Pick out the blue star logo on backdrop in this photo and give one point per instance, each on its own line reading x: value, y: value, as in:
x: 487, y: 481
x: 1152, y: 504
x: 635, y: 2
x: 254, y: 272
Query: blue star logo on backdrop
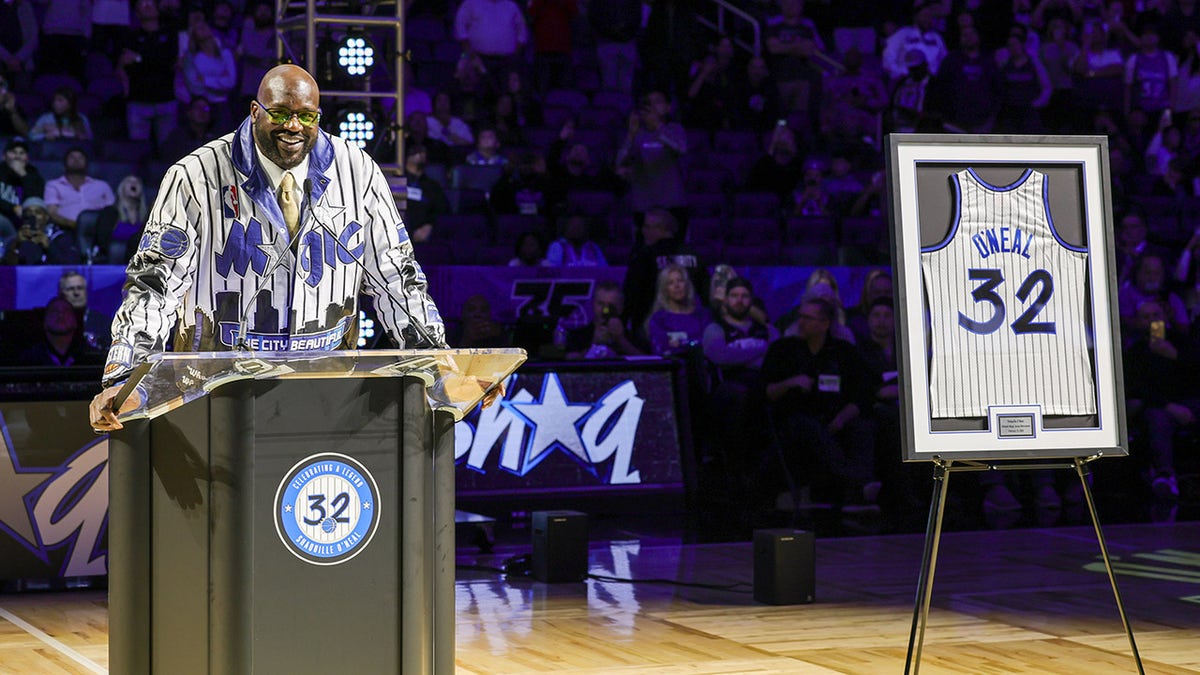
x: 554, y: 421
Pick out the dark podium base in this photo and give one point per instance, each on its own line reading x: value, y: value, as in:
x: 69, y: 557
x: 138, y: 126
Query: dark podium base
x: 201, y: 579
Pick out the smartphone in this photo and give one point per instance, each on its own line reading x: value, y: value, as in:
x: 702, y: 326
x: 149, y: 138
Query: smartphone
x: 1158, y: 330
x: 781, y: 123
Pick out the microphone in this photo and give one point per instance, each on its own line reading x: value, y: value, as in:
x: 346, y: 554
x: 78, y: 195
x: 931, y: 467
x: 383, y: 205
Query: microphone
x: 244, y: 315
x: 416, y: 327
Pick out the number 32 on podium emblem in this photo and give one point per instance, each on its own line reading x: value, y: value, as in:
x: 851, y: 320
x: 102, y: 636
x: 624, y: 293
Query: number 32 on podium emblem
x: 327, y: 509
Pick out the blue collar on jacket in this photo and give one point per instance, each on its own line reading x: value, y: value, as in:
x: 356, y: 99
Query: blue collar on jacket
x: 257, y: 186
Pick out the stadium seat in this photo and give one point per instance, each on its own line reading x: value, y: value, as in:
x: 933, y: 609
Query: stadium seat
x: 615, y: 100
x: 810, y: 231
x: 510, y: 226
x: 756, y: 204
x: 471, y: 177
x: 566, y: 98
x: 753, y: 230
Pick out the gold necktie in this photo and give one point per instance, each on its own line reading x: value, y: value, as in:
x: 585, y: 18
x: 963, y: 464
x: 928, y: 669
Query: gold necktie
x: 287, y: 204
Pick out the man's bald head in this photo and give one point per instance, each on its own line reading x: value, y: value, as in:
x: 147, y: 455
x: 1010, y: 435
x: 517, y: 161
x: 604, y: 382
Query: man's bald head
x: 290, y: 89
x: 285, y: 80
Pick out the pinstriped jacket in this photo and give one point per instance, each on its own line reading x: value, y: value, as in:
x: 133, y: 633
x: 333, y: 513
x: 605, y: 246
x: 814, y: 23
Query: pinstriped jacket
x: 215, y: 245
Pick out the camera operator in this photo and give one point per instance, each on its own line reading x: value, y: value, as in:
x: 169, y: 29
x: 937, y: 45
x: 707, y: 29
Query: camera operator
x: 38, y: 241
x: 605, y: 337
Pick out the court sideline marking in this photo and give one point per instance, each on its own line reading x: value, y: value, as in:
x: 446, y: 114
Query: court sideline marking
x: 55, y: 644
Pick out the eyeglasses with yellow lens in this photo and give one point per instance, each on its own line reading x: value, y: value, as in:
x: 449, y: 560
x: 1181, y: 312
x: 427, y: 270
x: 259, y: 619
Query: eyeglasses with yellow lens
x: 282, y: 116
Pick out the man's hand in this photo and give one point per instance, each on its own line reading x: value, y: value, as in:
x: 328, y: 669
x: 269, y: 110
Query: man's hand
x: 492, y: 395
x: 103, y: 417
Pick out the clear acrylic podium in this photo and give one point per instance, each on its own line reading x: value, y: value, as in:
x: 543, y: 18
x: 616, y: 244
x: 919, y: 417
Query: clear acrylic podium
x: 289, y: 512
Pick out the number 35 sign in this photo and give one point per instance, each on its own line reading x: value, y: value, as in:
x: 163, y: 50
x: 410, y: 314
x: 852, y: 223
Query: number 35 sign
x: 1007, y: 326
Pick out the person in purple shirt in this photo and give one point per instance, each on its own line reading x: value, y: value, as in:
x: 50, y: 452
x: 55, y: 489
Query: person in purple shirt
x: 677, y: 321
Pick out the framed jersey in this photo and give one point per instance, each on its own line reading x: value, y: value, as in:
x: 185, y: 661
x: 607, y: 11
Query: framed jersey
x: 1007, y: 322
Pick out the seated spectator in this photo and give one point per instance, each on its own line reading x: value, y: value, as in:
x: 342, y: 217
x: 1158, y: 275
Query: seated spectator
x: 922, y: 36
x: 522, y: 189
x: 478, y: 329
x: 677, y: 321
x: 710, y: 96
x: 779, y: 170
x: 569, y: 166
x: 530, y: 251
x: 756, y: 98
x: 1165, y: 145
x: 605, y: 337
x: 508, y: 121
x: 425, y: 199
x: 131, y: 218
x: 877, y: 285
x: 870, y: 201
x: 18, y: 179
x: 909, y: 108
x: 255, y: 51
x: 445, y: 126
x: 810, y: 197
x: 416, y: 132
x: 62, y: 121
x: 487, y: 149
x: 1150, y: 283
x: 966, y: 90
x: 94, y: 327
x: 1160, y: 391
x: 822, y: 393
x: 821, y: 285
x: 209, y: 71
x: 222, y: 24
x: 721, y: 276
x: 841, y: 183
x: 1132, y: 245
x: 663, y: 247
x: 575, y: 247
x: 198, y: 128
x: 735, y: 344
x: 39, y: 241
x: 83, y: 205
x: 1176, y: 181
x: 61, y: 343
x: 12, y: 122
x: 416, y: 99
x: 853, y: 101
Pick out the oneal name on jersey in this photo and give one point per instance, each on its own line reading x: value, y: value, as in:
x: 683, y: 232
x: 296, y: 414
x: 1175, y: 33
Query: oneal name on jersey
x: 1003, y: 240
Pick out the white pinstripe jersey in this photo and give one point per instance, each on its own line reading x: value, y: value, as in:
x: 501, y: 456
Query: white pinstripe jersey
x: 215, y: 232
x: 1007, y: 305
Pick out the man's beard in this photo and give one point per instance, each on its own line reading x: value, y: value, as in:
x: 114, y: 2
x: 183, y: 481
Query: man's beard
x: 739, y: 315
x: 268, y: 143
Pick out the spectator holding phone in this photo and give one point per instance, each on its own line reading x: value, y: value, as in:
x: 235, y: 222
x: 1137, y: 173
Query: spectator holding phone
x: 605, y: 337
x: 38, y: 241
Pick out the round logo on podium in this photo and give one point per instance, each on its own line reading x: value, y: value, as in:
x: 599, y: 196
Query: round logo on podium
x: 327, y: 508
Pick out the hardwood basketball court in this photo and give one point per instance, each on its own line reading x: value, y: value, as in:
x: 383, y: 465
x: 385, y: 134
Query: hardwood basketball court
x: 1022, y: 601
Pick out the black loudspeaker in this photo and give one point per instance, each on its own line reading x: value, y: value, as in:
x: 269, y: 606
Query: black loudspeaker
x: 784, y: 567
x: 559, y: 546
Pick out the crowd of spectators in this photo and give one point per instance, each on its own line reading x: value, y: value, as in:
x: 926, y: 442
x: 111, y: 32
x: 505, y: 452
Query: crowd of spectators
x: 620, y: 132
